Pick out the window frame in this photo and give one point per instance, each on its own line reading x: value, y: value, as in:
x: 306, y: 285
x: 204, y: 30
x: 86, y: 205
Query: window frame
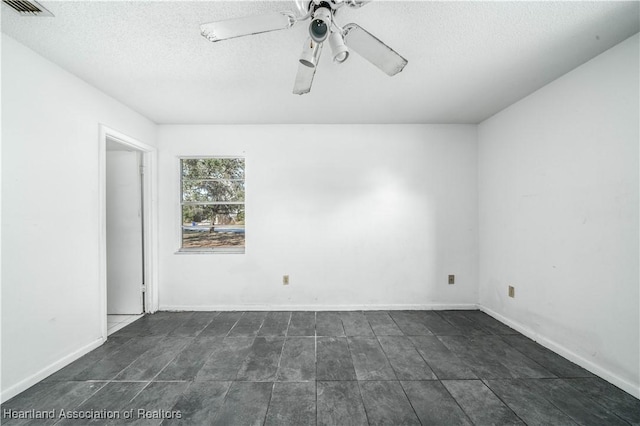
x: 181, y: 203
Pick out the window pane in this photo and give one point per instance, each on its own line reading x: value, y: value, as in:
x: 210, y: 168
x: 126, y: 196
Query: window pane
x: 213, y: 226
x: 211, y: 190
x: 212, y: 168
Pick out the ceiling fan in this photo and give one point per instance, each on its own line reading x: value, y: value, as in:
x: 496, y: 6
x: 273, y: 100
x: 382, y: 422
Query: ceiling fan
x: 323, y: 27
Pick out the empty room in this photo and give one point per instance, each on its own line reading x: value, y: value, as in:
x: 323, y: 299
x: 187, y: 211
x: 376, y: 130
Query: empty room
x: 320, y: 212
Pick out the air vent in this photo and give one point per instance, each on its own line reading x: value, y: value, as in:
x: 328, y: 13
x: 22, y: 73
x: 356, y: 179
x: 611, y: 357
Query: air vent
x: 27, y: 7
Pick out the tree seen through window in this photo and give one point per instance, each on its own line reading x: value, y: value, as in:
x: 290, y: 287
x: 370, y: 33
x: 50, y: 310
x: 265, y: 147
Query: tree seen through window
x: 212, y: 198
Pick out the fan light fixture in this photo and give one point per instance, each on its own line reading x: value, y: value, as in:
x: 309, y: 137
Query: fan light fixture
x: 320, y: 24
x: 338, y: 48
x: 310, y: 53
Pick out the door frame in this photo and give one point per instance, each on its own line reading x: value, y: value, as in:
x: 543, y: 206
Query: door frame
x: 149, y: 213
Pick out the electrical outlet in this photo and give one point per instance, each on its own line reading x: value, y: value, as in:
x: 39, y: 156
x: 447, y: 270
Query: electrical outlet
x: 512, y: 291
x: 452, y: 279
x: 285, y: 280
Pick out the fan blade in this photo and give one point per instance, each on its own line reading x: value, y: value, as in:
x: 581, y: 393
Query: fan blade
x: 304, y: 77
x: 238, y: 27
x: 373, y: 50
x: 303, y: 6
x: 357, y: 3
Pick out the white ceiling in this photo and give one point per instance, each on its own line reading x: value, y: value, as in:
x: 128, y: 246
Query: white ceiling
x: 467, y: 60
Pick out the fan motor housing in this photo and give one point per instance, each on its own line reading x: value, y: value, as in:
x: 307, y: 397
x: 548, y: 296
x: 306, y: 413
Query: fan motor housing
x: 315, y: 5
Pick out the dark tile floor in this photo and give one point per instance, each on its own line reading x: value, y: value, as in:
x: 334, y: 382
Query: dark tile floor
x: 326, y: 368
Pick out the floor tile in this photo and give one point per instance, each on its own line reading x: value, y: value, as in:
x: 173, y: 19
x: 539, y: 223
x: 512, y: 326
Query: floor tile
x: 221, y: 324
x: 118, y: 322
x: 369, y: 359
x: 112, y: 397
x: 551, y: 361
x: 515, y: 361
x: 226, y: 359
x: 275, y: 324
x: 480, y: 404
x: 187, y: 364
x: 528, y: 402
x: 329, y: 324
x: 356, y: 324
x: 340, y: 403
x: 382, y: 324
x: 483, y: 363
x: 433, y: 404
x: 72, y: 371
x: 333, y: 359
x: 154, y: 360
x: 248, y: 325
x: 465, y: 325
x: 405, y: 359
x: 410, y: 323
x: 437, y: 325
x: 138, y: 328
x: 487, y: 322
x: 292, y: 404
x: 200, y: 403
x: 434, y: 367
x: 156, y: 397
x: 261, y: 363
x: 610, y: 397
x: 302, y: 324
x: 387, y: 404
x: 113, y: 363
x: 444, y: 363
x: 47, y: 397
x: 577, y: 405
x: 28, y: 400
x: 246, y: 404
x: 194, y: 325
x: 298, y: 361
x: 158, y: 324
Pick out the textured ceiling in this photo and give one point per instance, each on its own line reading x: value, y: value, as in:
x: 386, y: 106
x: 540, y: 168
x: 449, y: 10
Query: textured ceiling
x: 467, y: 60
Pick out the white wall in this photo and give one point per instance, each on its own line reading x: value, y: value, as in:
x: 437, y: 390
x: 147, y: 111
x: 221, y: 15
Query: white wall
x: 50, y: 212
x: 359, y: 216
x: 558, y: 215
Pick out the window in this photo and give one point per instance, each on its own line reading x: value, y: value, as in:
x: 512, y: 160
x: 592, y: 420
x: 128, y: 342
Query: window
x: 212, y: 202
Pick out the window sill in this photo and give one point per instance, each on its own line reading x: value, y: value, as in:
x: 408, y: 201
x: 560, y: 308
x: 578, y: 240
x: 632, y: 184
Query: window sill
x: 230, y: 250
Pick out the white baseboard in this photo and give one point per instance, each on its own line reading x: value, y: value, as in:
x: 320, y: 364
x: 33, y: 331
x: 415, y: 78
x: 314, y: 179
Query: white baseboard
x: 25, y: 384
x: 566, y: 353
x: 365, y: 307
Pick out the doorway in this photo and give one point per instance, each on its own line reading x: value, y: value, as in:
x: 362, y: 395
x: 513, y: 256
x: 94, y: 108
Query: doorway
x: 125, y: 250
x: 128, y: 213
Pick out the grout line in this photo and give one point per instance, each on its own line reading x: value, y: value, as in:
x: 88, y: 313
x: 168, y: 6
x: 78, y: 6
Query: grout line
x: 264, y: 319
x: 455, y: 400
x: 284, y: 342
x: 234, y: 324
x: 409, y: 400
x: 197, y: 334
x: 484, y: 382
x: 286, y: 332
x: 226, y: 393
x: 364, y: 406
x: 140, y: 391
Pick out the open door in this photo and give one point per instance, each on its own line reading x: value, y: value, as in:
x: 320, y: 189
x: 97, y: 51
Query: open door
x: 124, y: 223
